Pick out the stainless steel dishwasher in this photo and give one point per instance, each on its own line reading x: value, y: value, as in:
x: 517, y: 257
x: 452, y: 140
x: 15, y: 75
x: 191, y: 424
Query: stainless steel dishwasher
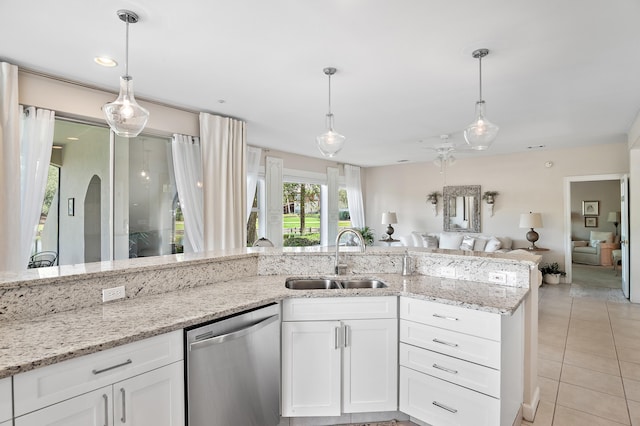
x: 233, y: 370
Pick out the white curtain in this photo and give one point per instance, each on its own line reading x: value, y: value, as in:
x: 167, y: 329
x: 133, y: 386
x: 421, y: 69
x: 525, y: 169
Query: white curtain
x: 187, y: 168
x: 354, y: 195
x: 224, y: 145
x: 253, y: 166
x: 9, y: 169
x: 36, y: 139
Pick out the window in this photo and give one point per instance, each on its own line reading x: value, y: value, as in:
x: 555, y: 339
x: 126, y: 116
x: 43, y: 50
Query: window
x: 344, y: 219
x: 301, y: 214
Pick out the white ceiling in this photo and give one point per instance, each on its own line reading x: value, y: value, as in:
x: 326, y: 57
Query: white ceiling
x: 561, y: 73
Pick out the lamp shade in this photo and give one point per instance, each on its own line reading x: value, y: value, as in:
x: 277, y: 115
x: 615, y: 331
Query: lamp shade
x: 389, y: 218
x: 530, y: 220
x: 614, y: 217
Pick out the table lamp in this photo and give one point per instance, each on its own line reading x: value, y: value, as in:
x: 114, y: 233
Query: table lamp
x: 614, y: 217
x: 388, y: 219
x: 531, y: 220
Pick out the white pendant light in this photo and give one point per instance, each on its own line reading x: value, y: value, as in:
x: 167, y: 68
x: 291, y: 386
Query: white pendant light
x: 481, y: 133
x: 125, y: 117
x: 330, y: 142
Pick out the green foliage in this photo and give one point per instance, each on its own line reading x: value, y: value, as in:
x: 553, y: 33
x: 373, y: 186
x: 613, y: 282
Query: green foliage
x: 367, y: 234
x: 50, y: 191
x: 344, y: 215
x: 297, y: 241
x: 551, y: 268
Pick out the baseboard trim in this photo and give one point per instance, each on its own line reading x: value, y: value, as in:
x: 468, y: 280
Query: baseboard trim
x: 529, y: 409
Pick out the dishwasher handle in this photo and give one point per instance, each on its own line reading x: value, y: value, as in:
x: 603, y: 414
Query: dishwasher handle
x: 234, y: 335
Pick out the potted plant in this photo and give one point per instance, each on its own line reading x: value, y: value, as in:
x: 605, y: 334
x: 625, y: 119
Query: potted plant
x: 551, y: 273
x: 367, y: 235
x: 489, y: 196
x: 432, y: 197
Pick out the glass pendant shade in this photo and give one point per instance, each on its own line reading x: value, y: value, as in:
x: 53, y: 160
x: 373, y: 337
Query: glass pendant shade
x: 481, y: 133
x: 125, y: 117
x: 330, y: 142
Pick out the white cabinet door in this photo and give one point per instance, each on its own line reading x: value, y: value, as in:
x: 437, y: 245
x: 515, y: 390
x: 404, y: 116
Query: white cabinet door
x: 155, y: 398
x: 311, y: 368
x: 6, y: 404
x: 90, y: 409
x: 370, y: 366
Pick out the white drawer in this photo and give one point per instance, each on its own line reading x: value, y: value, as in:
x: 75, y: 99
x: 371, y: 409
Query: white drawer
x: 459, y: 345
x: 441, y: 403
x: 339, y: 308
x: 463, y: 373
x: 6, y: 412
x: 462, y: 320
x: 47, y: 385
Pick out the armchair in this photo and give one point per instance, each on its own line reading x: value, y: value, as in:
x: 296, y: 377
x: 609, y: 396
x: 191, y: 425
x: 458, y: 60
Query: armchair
x: 588, y: 252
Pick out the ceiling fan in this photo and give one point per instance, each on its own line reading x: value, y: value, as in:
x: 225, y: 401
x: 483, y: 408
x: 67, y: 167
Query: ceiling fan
x: 444, y: 152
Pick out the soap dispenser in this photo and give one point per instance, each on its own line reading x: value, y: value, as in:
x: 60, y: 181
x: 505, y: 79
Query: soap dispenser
x: 407, y: 264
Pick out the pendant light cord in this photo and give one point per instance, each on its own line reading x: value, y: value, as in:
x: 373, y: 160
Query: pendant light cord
x: 480, y: 74
x: 329, y: 94
x: 126, y: 54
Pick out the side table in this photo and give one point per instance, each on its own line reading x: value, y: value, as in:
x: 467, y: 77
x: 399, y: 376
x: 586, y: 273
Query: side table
x: 605, y: 253
x: 389, y: 241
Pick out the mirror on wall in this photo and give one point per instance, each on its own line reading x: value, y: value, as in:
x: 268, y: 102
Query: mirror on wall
x: 461, y: 205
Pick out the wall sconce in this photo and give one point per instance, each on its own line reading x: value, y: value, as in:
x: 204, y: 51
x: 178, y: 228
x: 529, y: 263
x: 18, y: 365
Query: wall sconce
x: 432, y: 198
x: 490, y: 198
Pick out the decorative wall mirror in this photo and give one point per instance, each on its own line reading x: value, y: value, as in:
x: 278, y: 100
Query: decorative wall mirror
x: 461, y: 206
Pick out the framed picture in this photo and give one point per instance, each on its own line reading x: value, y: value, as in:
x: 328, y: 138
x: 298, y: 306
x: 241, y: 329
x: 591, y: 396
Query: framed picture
x: 71, y: 206
x: 590, y: 222
x: 590, y: 208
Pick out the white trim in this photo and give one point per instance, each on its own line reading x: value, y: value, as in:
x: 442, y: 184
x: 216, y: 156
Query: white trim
x: 304, y: 176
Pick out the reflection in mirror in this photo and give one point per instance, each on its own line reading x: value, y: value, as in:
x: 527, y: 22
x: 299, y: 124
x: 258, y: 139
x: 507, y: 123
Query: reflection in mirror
x: 461, y: 208
x: 82, y: 199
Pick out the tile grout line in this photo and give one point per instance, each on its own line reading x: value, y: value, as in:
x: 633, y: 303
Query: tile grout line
x: 615, y: 348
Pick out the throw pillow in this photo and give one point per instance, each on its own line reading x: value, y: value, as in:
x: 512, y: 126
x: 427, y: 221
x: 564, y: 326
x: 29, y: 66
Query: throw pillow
x: 429, y: 241
x: 480, y: 244
x: 450, y: 241
x: 594, y: 243
x: 417, y: 241
x: 492, y: 245
x: 467, y: 243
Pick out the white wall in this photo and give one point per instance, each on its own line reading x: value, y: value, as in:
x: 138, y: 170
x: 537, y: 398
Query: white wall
x: 523, y: 181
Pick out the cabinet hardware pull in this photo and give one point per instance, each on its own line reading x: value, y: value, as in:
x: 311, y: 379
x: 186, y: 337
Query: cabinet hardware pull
x: 444, y: 407
x: 346, y: 336
x: 442, y: 342
x: 112, y: 367
x: 448, y: 370
x: 445, y: 317
x: 106, y: 409
x: 337, y: 337
x: 123, y: 419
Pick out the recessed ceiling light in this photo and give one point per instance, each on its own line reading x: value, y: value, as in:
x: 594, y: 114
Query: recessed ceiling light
x: 57, y: 147
x: 221, y: 101
x: 536, y: 146
x: 105, y: 61
x: 72, y: 138
x: 402, y: 161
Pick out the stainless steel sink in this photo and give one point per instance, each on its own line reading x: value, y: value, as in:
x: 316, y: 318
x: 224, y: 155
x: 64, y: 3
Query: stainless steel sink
x: 311, y: 284
x: 329, y: 283
x: 362, y: 283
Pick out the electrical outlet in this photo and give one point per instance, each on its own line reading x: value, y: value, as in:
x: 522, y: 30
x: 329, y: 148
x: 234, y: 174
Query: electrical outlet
x: 448, y: 272
x: 498, y: 277
x: 114, y: 293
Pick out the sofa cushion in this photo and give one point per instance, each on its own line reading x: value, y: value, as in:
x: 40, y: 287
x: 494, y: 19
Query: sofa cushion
x: 580, y: 243
x: 493, y: 244
x: 450, y: 241
x: 467, y: 243
x: 587, y: 249
x: 505, y: 242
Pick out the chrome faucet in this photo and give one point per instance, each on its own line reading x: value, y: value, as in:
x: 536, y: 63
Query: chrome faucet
x: 338, y: 267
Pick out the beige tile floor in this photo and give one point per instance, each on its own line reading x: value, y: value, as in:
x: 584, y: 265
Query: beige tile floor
x: 588, y: 358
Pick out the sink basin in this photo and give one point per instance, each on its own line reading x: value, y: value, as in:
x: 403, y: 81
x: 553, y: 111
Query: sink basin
x: 330, y: 284
x: 311, y: 284
x: 362, y: 283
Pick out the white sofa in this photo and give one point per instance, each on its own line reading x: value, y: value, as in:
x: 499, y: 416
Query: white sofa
x: 588, y: 252
x: 457, y: 241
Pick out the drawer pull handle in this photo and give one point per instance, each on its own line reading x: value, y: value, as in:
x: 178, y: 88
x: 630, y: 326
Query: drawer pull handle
x: 106, y: 409
x: 448, y: 370
x: 445, y: 317
x: 123, y: 419
x: 337, y: 337
x: 444, y: 407
x: 442, y: 342
x: 112, y: 367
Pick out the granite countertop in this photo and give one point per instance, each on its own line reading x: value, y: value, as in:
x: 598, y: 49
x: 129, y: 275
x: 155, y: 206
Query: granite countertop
x: 48, y: 339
